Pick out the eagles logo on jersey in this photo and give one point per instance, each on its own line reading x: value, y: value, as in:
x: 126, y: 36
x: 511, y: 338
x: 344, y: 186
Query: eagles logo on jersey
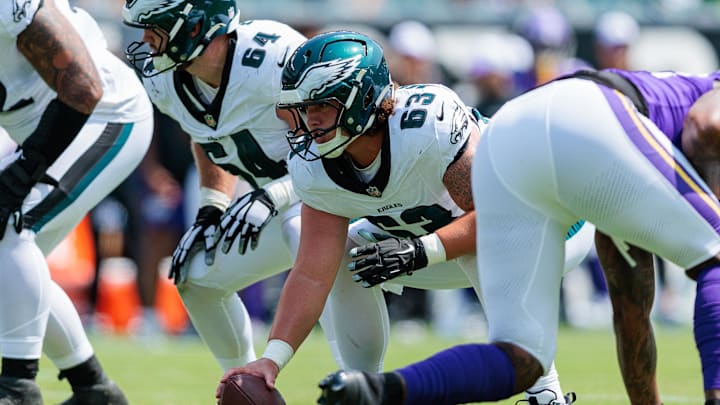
x: 460, y: 125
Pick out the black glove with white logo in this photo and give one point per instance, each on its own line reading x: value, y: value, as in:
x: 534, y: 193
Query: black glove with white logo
x: 200, y: 235
x: 378, y: 262
x: 16, y: 181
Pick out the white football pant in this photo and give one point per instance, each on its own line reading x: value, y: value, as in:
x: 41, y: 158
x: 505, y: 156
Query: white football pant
x: 567, y: 151
x: 95, y: 163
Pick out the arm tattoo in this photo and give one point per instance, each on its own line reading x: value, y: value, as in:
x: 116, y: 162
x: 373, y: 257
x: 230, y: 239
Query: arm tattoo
x: 457, y: 177
x: 632, y: 291
x: 58, y: 54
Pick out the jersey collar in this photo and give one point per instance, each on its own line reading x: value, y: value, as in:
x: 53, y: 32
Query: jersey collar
x: 207, y: 113
x: 341, y: 172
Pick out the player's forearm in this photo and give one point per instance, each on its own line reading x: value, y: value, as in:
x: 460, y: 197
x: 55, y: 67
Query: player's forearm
x: 212, y: 176
x: 632, y: 292
x: 458, y: 237
x: 301, y: 303
x: 312, y: 276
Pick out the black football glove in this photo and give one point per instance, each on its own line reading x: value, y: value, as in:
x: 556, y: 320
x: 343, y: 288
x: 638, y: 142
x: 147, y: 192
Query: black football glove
x: 16, y: 181
x: 202, y: 231
x: 246, y: 217
x: 381, y: 261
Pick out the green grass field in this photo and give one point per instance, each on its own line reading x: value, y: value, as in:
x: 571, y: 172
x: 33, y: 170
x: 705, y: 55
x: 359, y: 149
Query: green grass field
x: 182, y: 371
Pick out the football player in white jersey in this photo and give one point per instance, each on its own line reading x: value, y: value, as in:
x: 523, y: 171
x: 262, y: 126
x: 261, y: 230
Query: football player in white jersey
x: 83, y: 123
x: 219, y: 78
x: 400, y: 159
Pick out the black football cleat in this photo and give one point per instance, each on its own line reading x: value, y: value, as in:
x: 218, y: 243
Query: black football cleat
x: 350, y: 387
x: 19, y: 391
x: 106, y: 393
x: 570, y: 398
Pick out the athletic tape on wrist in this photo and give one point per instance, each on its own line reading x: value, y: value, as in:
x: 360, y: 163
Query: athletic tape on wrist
x: 278, y: 351
x: 281, y: 192
x: 210, y: 196
x: 434, y: 249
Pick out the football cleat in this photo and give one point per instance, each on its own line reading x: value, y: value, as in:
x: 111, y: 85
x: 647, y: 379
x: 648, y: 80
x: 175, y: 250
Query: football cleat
x: 570, y: 397
x: 547, y: 397
x: 19, y: 391
x: 105, y: 393
x: 349, y: 387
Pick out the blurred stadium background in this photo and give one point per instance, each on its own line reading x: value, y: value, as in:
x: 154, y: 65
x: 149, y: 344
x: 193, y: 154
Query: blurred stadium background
x: 114, y: 264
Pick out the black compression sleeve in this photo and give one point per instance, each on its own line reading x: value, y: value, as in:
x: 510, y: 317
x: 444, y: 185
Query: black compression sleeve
x: 58, y: 126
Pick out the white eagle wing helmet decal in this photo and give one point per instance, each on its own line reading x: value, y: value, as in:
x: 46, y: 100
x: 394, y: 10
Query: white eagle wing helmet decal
x: 137, y: 11
x: 321, y: 76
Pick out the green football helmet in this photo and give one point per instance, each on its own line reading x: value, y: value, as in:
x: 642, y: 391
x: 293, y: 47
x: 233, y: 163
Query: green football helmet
x: 344, y: 69
x: 174, y: 21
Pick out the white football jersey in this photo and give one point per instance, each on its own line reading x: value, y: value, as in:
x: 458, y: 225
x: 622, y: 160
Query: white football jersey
x: 407, y: 197
x: 238, y: 130
x: 24, y: 95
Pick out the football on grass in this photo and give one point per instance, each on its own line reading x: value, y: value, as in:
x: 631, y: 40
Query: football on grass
x: 247, y: 389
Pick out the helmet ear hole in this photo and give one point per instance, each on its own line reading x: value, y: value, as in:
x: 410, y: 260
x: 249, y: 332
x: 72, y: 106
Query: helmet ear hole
x: 196, y: 29
x: 369, y: 98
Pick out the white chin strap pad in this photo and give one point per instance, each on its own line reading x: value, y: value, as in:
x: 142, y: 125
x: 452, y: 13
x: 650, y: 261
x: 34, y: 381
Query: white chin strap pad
x: 339, y: 141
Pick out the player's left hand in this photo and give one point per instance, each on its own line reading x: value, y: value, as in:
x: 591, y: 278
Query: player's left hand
x: 381, y: 261
x: 262, y: 367
x: 246, y: 217
x: 16, y: 181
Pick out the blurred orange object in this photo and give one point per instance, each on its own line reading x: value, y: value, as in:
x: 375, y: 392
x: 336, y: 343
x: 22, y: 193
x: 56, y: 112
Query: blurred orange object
x: 72, y: 264
x: 169, y: 307
x: 118, y: 303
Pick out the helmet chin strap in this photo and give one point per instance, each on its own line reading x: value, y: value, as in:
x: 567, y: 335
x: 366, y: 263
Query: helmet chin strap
x: 163, y: 63
x: 335, y: 147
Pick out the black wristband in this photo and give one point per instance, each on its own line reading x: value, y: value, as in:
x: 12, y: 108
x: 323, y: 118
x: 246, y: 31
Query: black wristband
x: 421, y: 260
x: 57, y: 128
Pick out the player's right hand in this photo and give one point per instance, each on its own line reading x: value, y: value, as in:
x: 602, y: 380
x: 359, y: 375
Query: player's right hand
x: 202, y: 231
x: 246, y: 218
x: 378, y: 262
x: 16, y: 181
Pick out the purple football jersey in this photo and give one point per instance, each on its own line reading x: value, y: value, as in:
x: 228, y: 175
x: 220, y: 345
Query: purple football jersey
x: 669, y: 96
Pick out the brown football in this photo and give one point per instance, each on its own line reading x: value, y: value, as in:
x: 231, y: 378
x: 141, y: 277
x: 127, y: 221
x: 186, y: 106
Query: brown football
x: 247, y: 389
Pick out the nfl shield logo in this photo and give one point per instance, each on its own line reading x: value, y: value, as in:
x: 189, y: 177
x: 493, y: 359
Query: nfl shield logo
x: 373, y: 191
x: 210, y: 120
